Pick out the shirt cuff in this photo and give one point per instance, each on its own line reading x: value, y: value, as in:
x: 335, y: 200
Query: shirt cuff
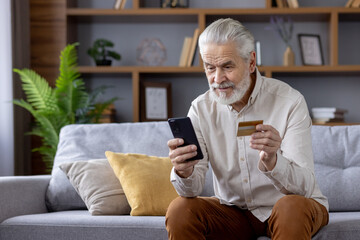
x: 182, y: 183
x: 279, y: 173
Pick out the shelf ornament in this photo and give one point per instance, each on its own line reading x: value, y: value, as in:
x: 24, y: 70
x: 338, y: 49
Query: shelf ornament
x: 284, y: 28
x: 151, y: 52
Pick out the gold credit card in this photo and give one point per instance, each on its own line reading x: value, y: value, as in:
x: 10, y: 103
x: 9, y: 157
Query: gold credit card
x: 247, y: 128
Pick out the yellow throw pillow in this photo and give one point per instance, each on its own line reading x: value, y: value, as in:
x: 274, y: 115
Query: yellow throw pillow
x: 145, y: 181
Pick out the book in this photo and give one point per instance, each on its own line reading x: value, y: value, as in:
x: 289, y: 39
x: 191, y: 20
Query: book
x: 328, y: 109
x: 355, y: 4
x: 258, y: 53
x: 349, y: 3
x: 117, y: 4
x: 327, y: 120
x: 285, y: 3
x: 192, y: 49
x: 123, y: 3
x: 293, y: 3
x: 290, y: 3
x: 328, y: 114
x: 185, y: 51
x: 279, y: 3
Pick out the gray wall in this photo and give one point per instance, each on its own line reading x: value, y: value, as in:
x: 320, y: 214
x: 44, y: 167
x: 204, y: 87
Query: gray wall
x: 320, y: 90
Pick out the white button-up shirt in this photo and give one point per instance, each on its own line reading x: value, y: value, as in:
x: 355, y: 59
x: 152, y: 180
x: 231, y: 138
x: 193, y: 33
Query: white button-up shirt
x: 238, y: 177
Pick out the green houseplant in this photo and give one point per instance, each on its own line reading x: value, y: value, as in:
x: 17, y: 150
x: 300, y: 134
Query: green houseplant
x: 100, y: 53
x: 53, y: 108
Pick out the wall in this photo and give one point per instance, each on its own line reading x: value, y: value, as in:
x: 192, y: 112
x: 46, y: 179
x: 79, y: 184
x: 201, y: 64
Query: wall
x: 6, y: 106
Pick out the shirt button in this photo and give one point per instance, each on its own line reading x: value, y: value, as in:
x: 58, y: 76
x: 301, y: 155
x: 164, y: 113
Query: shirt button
x: 245, y: 181
x: 240, y: 138
x: 249, y: 200
x: 242, y: 159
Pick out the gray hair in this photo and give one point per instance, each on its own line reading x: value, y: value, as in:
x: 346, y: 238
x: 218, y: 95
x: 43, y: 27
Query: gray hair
x: 228, y: 30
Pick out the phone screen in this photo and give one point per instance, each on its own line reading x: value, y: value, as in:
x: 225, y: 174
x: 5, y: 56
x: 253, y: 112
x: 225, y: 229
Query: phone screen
x: 183, y: 128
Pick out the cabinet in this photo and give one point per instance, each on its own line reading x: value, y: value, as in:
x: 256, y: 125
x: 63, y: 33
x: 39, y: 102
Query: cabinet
x: 331, y: 17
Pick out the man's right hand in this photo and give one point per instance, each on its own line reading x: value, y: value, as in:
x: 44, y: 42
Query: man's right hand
x: 179, y: 156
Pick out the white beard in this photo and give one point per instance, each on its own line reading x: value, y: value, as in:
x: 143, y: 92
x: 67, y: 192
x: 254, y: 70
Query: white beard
x: 237, y: 94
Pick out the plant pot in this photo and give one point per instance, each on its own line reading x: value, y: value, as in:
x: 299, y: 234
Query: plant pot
x: 103, y: 62
x: 289, y: 57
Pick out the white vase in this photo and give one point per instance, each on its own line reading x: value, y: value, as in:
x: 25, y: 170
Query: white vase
x: 289, y: 57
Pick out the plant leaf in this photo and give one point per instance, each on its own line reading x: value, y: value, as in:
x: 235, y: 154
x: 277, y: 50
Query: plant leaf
x: 38, y: 92
x: 70, y: 90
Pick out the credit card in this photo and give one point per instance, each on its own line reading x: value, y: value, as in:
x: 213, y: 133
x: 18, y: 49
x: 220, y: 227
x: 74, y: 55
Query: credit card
x: 247, y: 128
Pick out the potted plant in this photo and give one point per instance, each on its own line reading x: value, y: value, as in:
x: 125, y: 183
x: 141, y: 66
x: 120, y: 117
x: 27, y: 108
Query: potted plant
x: 53, y: 108
x: 101, y: 54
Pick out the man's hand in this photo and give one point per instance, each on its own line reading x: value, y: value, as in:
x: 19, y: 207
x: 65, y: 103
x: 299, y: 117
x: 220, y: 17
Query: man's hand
x: 267, y: 140
x: 179, y: 155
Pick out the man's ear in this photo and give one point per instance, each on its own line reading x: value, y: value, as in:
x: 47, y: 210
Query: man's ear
x: 252, y: 62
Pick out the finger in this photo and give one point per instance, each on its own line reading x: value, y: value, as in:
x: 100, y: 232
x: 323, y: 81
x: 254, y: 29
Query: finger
x: 265, y: 141
x: 174, y: 143
x: 179, y: 151
x: 264, y: 128
x: 274, y: 135
x: 265, y: 148
x: 179, y: 159
x: 186, y: 165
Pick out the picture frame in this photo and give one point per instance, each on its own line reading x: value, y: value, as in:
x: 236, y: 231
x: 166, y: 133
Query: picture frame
x: 311, y: 50
x: 155, y: 101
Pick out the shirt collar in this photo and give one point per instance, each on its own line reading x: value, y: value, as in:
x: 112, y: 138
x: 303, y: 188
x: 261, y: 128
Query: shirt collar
x: 258, y: 82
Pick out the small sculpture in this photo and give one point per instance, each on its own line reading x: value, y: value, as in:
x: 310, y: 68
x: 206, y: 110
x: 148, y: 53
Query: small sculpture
x: 151, y: 52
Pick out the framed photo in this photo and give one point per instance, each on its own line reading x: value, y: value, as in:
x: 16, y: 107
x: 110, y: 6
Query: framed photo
x: 311, y: 51
x: 155, y: 101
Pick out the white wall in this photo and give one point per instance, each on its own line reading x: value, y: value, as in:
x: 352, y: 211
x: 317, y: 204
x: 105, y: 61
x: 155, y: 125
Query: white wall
x: 6, y: 92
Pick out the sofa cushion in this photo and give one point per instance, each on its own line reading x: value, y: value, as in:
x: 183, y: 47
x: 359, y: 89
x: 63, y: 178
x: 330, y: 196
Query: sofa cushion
x: 337, y: 165
x: 97, y: 186
x: 79, y: 224
x: 146, y: 182
x: 90, y: 141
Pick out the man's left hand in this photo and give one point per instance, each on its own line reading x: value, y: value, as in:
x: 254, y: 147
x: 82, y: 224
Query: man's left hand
x: 267, y: 140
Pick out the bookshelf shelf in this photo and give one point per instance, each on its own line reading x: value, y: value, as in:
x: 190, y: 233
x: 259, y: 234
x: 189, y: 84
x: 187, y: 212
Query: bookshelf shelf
x: 333, y: 16
x: 198, y: 69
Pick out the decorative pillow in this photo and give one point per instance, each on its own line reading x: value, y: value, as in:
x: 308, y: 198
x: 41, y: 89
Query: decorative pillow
x: 81, y: 142
x: 98, y: 187
x: 145, y: 180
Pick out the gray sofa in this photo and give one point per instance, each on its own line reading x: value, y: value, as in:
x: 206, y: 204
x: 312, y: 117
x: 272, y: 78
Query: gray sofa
x: 25, y: 200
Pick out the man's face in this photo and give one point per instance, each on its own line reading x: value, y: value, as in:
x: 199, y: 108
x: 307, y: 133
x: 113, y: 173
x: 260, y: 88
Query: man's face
x: 227, y: 73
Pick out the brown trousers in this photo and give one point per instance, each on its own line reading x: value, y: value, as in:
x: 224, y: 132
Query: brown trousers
x: 293, y: 217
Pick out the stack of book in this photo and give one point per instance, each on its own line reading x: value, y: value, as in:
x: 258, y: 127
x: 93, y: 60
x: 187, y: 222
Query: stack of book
x: 108, y: 115
x: 353, y: 4
x: 327, y: 115
x: 188, y: 50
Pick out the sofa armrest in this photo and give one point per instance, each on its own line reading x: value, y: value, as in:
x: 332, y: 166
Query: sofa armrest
x: 22, y: 195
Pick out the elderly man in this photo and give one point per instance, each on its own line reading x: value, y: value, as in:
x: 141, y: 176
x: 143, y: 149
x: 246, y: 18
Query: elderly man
x: 264, y: 183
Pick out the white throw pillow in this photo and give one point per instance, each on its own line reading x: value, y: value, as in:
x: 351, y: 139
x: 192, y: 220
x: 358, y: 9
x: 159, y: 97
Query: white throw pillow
x: 98, y: 187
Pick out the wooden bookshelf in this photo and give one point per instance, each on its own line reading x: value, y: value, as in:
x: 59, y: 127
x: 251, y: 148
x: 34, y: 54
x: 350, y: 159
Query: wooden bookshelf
x: 330, y: 15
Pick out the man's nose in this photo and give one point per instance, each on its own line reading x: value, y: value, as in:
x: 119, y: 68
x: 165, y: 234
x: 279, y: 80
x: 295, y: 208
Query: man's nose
x: 219, y: 76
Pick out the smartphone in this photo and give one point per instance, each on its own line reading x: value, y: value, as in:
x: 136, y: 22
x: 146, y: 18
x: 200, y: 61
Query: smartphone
x: 183, y: 128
